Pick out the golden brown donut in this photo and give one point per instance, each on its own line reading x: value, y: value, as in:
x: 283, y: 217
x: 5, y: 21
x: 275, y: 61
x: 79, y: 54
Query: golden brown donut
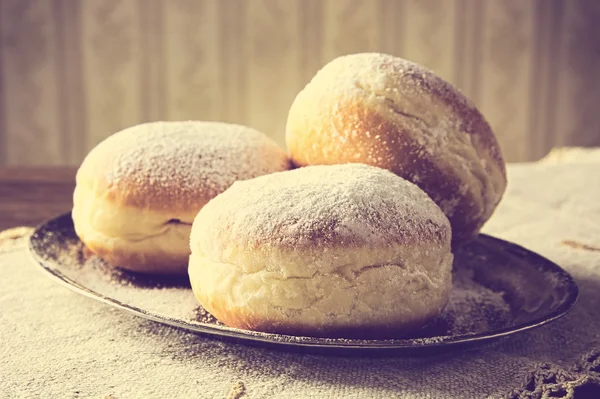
x: 388, y: 112
x: 139, y: 190
x: 334, y: 251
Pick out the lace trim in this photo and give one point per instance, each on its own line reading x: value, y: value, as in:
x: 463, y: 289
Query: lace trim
x: 581, y: 381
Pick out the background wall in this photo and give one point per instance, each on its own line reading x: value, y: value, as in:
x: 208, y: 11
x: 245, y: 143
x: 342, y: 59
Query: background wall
x: 75, y: 71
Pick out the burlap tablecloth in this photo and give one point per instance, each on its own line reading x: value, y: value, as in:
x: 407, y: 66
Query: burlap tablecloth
x: 57, y: 344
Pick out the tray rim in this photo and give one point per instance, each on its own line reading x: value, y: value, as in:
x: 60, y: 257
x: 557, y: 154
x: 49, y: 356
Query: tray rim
x: 408, y: 344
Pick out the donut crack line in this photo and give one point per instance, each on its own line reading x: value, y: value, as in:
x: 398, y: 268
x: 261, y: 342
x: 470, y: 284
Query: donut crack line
x: 390, y: 103
x: 338, y: 271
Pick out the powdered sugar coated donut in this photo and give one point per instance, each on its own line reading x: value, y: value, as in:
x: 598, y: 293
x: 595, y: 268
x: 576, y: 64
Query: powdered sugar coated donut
x: 388, y: 112
x: 139, y: 190
x: 345, y: 251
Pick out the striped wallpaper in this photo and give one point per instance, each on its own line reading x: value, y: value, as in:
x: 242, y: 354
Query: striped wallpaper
x: 74, y: 71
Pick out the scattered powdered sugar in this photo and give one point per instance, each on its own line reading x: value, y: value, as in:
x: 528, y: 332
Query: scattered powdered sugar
x: 174, y: 161
x: 473, y: 307
x: 321, y: 206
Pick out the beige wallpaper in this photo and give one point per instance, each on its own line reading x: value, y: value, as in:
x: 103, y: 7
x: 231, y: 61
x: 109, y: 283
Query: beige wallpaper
x: 74, y: 71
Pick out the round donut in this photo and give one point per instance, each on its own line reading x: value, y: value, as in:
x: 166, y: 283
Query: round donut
x: 138, y: 192
x: 388, y: 112
x: 329, y: 251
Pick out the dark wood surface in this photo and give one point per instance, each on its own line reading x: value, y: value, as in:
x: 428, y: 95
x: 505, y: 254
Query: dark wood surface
x: 29, y: 196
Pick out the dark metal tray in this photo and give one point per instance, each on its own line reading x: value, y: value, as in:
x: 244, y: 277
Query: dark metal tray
x: 499, y: 289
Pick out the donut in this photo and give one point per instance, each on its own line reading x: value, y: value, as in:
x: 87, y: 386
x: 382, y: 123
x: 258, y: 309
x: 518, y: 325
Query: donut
x: 138, y: 191
x: 384, y: 111
x: 328, y: 251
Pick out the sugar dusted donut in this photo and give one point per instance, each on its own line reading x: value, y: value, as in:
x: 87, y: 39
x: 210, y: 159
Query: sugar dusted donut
x: 139, y: 190
x: 333, y: 251
x: 388, y: 112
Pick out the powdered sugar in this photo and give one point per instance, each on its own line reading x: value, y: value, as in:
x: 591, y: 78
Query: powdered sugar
x: 474, y: 307
x: 316, y: 206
